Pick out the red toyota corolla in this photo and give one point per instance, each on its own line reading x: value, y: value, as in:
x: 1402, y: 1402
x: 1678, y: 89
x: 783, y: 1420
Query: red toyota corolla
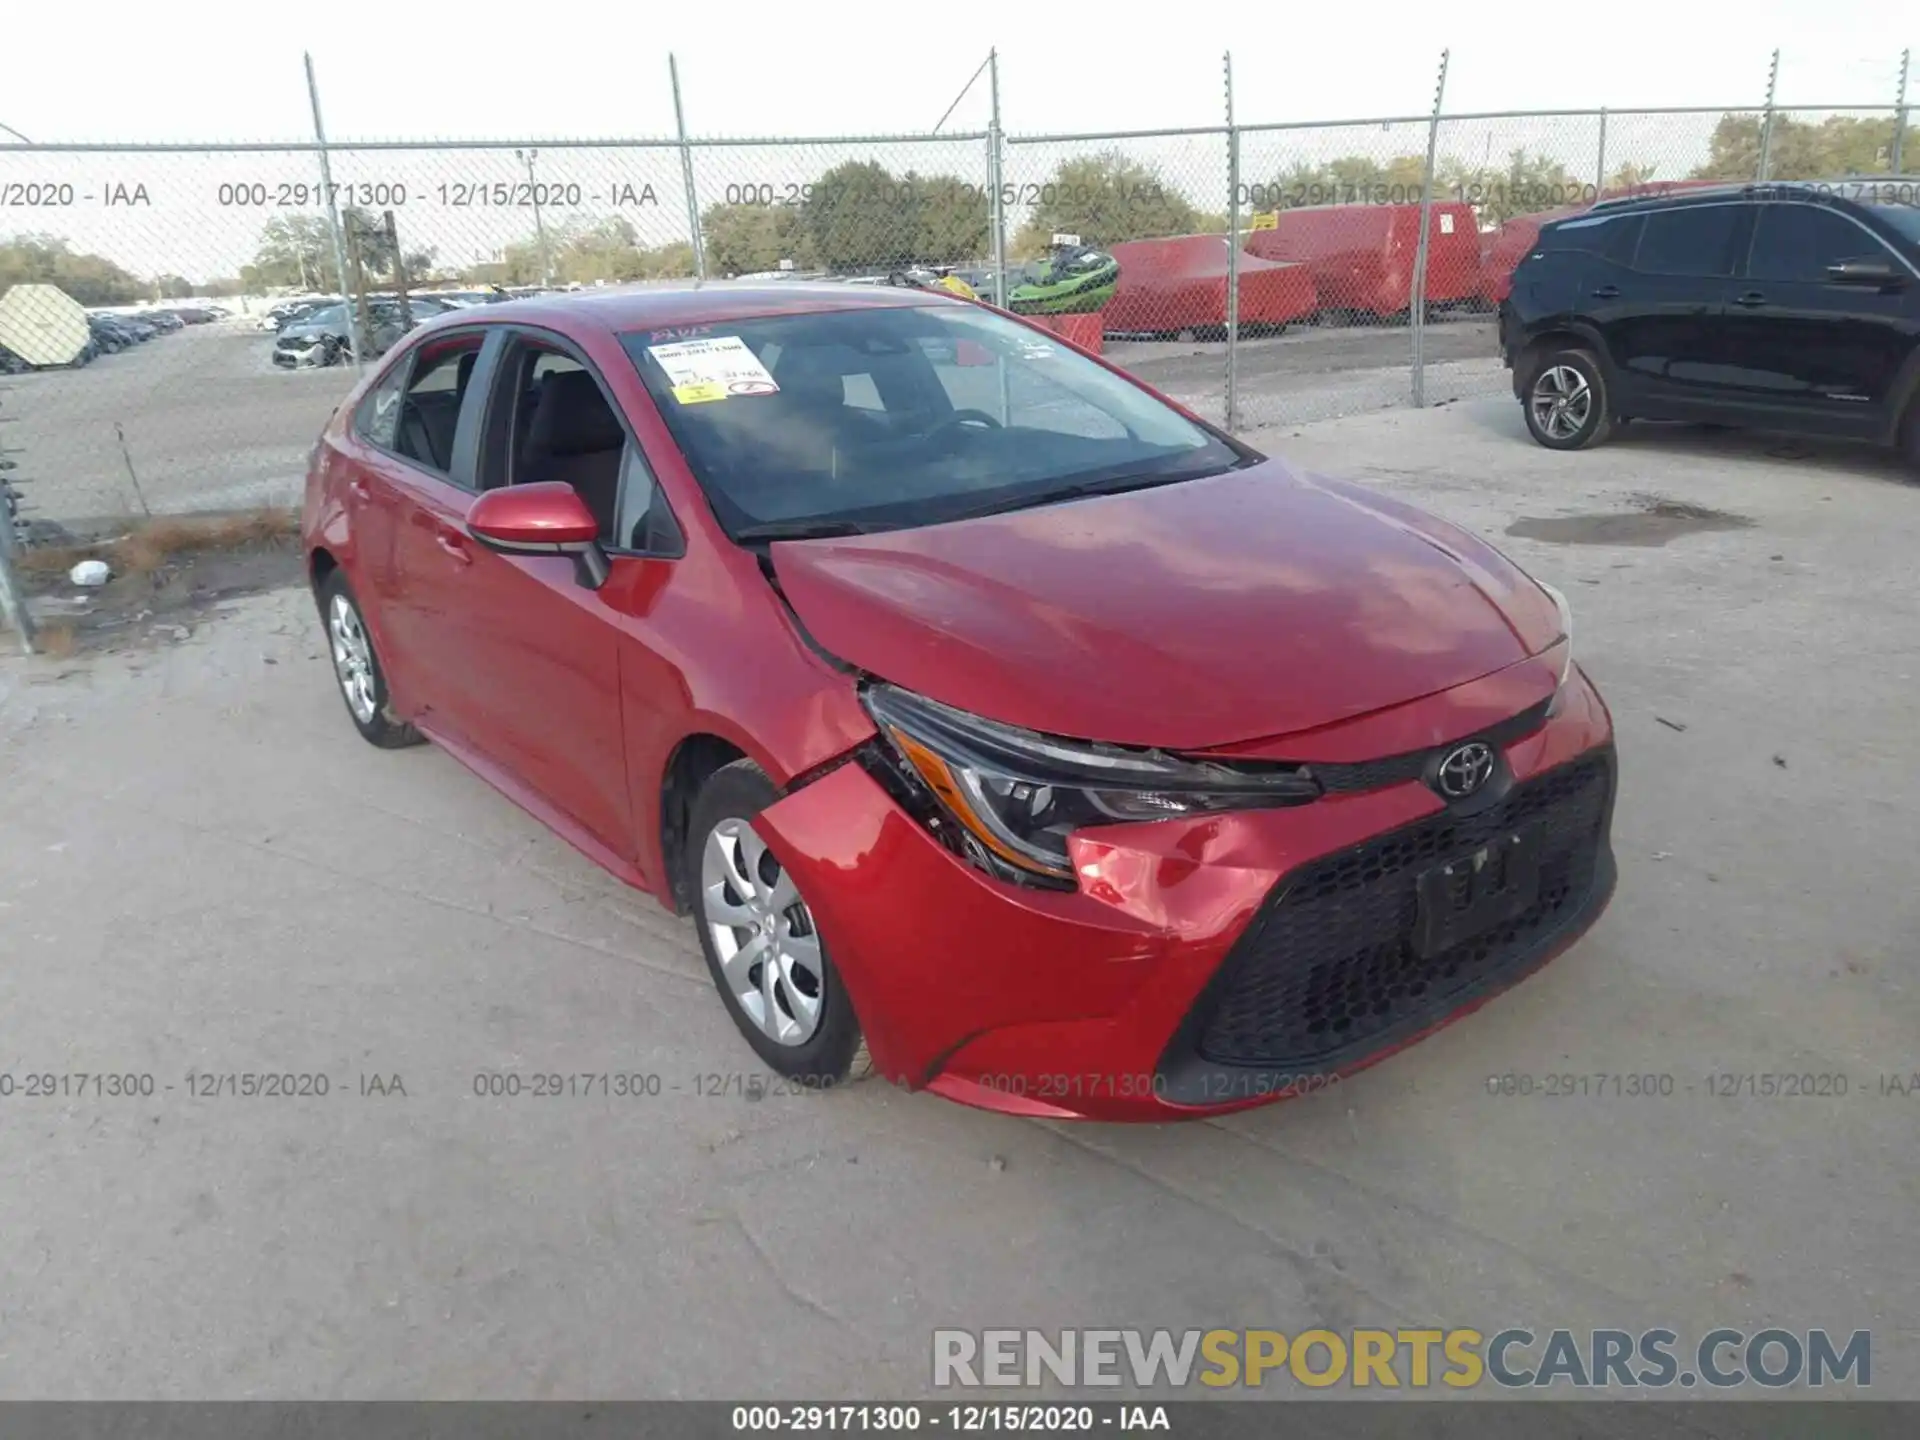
x: 995, y: 719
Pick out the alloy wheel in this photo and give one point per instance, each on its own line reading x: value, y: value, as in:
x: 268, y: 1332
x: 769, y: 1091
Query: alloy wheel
x: 1562, y: 402
x: 763, y: 934
x: 352, y: 658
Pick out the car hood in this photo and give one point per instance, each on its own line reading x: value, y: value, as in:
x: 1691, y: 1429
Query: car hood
x: 1212, y: 612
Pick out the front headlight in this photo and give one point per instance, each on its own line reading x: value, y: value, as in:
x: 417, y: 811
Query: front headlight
x: 1565, y: 642
x: 1008, y: 798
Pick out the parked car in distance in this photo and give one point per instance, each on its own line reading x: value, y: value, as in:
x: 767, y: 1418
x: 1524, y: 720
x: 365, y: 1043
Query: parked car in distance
x: 1792, y: 307
x: 994, y: 718
x: 325, y: 336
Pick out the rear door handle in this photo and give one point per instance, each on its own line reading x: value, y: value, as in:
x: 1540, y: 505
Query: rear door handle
x: 454, y: 544
x: 1752, y: 300
x: 361, y: 489
x: 1607, y: 292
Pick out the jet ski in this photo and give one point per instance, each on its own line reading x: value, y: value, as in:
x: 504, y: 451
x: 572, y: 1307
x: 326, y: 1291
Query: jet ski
x: 1077, y: 280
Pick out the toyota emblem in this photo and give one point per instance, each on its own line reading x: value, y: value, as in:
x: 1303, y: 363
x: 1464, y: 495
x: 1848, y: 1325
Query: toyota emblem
x: 1464, y: 770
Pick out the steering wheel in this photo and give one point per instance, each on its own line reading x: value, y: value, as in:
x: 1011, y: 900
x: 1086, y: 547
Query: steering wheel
x: 959, y: 418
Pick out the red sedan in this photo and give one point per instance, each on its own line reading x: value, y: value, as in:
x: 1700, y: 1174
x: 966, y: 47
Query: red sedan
x: 999, y: 723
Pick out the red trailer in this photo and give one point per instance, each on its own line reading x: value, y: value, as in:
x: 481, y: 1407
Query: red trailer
x: 1180, y: 283
x: 1362, y: 256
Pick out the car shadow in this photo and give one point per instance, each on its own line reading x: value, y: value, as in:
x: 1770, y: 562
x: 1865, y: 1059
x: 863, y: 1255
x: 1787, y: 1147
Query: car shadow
x: 1681, y: 440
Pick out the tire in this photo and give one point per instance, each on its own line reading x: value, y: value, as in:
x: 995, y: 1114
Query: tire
x: 1909, y: 438
x: 813, y: 1038
x: 357, y: 668
x: 1566, y: 403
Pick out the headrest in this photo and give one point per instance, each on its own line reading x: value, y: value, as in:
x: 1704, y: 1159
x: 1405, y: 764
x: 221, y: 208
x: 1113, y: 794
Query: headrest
x: 572, y: 417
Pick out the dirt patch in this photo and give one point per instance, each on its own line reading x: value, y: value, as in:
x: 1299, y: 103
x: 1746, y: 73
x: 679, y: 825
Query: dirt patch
x: 1653, y: 522
x: 167, y: 575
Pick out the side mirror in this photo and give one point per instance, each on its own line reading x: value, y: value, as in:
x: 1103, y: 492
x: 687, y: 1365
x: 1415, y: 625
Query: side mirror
x: 548, y: 518
x: 1864, y: 272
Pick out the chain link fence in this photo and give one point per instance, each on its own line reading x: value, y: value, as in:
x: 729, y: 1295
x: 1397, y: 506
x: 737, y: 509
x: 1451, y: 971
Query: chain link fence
x: 178, y: 321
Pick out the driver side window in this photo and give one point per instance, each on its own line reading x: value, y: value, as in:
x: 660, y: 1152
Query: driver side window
x: 553, y: 420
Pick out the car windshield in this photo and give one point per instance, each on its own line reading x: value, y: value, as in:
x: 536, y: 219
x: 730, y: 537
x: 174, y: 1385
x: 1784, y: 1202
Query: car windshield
x: 326, y: 315
x: 886, y: 418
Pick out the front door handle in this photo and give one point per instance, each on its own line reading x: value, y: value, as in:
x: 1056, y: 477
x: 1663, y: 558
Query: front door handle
x: 1607, y: 292
x: 454, y: 544
x: 360, y: 488
x: 1752, y: 300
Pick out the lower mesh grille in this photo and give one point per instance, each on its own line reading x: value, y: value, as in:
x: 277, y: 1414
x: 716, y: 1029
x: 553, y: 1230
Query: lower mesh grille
x: 1331, y: 963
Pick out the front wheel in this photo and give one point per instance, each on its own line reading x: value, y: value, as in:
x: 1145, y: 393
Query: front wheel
x: 766, y: 957
x: 1566, y: 401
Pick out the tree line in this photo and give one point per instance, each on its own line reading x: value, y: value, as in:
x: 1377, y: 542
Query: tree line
x: 860, y: 216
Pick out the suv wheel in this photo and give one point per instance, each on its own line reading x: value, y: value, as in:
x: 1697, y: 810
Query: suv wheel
x: 1567, y: 403
x: 1910, y: 438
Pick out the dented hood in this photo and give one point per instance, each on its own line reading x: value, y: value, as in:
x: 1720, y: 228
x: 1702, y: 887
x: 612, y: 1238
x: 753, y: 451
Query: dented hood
x: 1212, y: 612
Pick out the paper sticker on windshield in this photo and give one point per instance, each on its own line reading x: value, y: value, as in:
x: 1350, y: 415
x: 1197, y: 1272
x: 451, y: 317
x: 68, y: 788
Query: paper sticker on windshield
x: 717, y: 369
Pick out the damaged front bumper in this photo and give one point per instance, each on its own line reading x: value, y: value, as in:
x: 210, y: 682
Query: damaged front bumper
x: 1169, y: 983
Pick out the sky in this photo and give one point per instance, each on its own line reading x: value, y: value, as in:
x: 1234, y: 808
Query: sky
x: 196, y: 70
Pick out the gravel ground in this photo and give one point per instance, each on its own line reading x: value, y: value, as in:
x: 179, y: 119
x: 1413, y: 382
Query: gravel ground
x: 203, y: 868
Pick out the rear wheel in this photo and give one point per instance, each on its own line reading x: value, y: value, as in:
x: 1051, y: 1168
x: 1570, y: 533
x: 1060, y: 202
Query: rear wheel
x: 1910, y: 438
x: 363, y: 683
x: 1566, y: 401
x: 765, y: 955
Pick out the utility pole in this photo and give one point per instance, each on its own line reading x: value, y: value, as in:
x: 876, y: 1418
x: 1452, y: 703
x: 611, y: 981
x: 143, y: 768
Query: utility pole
x: 358, y: 316
x: 1417, y: 305
x: 686, y: 176
x: 333, y: 218
x: 399, y: 273
x: 1766, y: 123
x: 1233, y: 255
x: 998, y: 200
x: 1900, y: 117
x: 526, y: 158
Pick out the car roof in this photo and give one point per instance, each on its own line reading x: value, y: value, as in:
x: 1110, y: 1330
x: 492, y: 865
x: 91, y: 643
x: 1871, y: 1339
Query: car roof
x: 664, y: 308
x: 1842, y: 187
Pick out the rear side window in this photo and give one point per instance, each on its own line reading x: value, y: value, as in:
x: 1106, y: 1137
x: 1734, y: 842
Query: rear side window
x: 377, y: 421
x: 1796, y: 243
x: 1696, y: 240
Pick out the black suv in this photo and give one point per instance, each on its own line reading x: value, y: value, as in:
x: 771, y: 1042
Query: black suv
x: 1789, y: 306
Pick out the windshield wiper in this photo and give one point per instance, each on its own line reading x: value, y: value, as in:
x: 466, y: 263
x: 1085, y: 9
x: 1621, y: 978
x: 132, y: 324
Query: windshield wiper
x: 772, y: 530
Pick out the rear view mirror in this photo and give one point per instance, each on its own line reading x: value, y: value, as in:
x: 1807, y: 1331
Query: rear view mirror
x: 1865, y: 272
x: 548, y: 518
x: 971, y: 352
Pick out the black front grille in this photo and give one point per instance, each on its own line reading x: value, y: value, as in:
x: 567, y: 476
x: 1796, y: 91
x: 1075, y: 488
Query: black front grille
x: 1363, y: 775
x: 1329, y: 967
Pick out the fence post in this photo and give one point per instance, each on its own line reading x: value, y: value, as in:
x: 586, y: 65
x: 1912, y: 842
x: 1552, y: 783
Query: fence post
x: 333, y: 221
x: 1600, y: 171
x: 1900, y: 116
x: 995, y: 163
x: 686, y: 175
x: 1233, y: 258
x: 13, y: 595
x: 1417, y: 304
x: 1766, y: 123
